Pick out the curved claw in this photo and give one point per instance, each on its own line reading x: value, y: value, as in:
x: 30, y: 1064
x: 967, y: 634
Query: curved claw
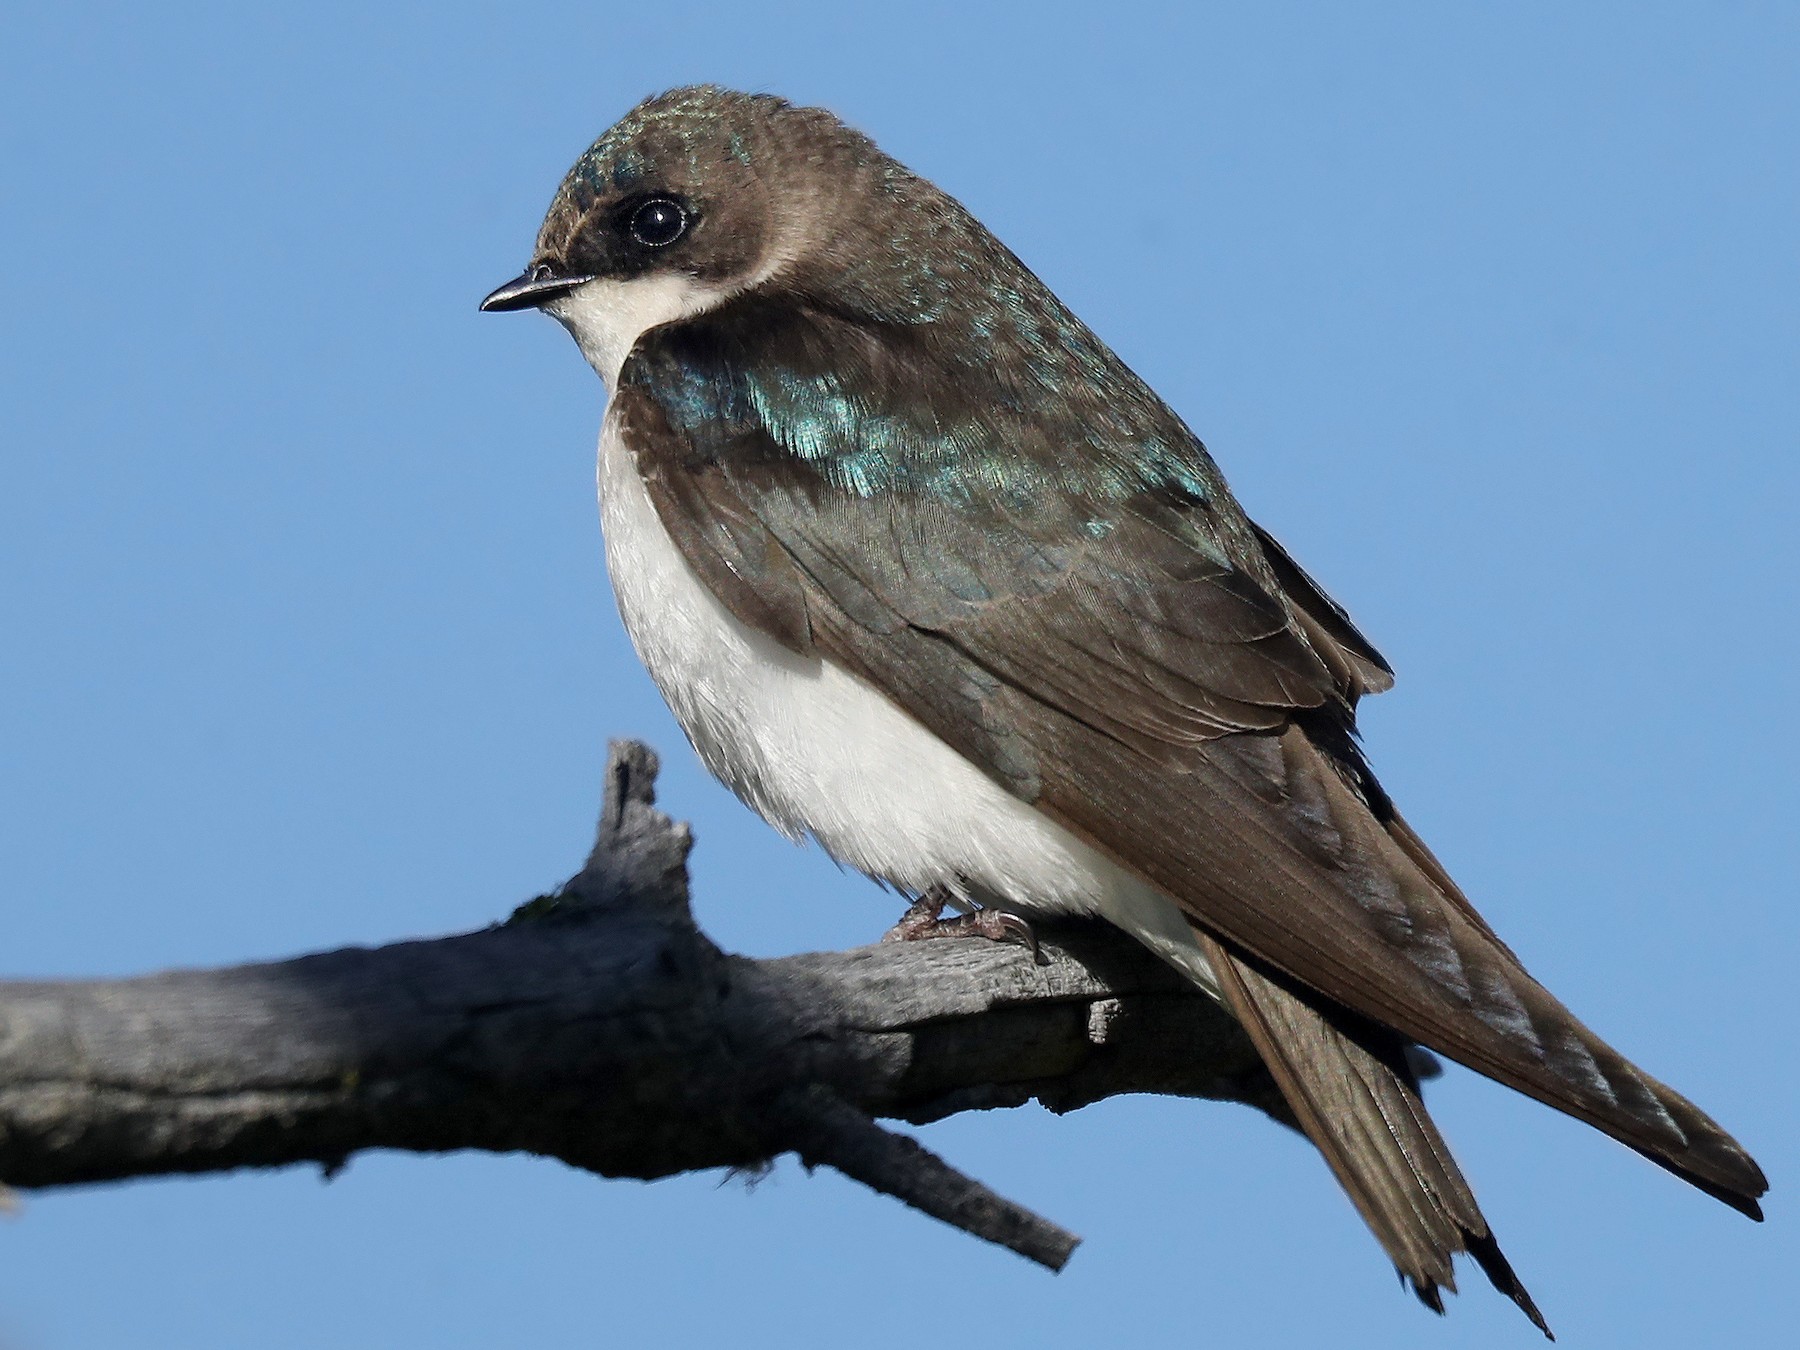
x: 1011, y: 925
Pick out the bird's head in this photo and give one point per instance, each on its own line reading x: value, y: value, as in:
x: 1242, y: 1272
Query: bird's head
x: 702, y: 194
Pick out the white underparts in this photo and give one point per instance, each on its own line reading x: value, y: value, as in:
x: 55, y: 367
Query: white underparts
x: 816, y: 750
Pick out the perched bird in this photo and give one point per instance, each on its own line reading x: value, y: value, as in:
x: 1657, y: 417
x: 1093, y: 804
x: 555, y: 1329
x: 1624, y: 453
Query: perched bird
x: 926, y: 573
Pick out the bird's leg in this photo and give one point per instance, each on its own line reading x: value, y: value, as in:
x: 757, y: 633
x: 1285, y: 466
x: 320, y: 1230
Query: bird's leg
x: 922, y: 920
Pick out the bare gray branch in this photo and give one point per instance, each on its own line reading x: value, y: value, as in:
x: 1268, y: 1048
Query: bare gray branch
x: 601, y: 1027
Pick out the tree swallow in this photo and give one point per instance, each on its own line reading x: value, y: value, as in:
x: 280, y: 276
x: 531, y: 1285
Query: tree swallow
x: 928, y: 575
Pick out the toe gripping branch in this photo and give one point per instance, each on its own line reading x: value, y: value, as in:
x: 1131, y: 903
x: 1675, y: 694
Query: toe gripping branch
x: 924, y: 920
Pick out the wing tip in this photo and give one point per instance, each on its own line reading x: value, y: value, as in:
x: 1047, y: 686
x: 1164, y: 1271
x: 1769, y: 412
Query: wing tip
x: 1713, y: 1161
x: 1746, y: 1200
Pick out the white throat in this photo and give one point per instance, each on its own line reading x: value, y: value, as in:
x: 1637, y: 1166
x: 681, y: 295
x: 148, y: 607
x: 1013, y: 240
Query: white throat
x: 606, y: 317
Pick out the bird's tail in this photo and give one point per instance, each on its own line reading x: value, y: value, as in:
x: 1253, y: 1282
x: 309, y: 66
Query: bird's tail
x: 1358, y: 1101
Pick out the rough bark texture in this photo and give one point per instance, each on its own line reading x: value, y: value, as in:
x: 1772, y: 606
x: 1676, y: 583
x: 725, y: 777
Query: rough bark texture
x: 601, y: 1027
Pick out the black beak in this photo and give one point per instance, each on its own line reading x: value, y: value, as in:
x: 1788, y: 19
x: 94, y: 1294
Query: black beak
x: 530, y: 290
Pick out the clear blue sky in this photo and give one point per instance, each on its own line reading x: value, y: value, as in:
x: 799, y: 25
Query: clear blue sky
x: 1489, y: 312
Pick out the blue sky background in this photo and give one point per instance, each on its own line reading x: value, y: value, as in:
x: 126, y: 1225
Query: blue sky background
x: 1489, y: 312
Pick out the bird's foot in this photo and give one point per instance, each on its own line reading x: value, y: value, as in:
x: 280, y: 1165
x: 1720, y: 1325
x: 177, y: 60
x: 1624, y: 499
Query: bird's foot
x: 923, y: 920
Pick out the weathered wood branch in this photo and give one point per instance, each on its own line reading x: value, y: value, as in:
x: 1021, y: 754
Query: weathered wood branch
x: 601, y: 1027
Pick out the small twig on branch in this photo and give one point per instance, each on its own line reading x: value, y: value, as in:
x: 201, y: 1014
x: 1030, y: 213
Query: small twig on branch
x: 601, y: 1027
x: 824, y: 1129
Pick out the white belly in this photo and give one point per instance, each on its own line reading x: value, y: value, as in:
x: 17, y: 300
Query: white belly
x: 817, y: 751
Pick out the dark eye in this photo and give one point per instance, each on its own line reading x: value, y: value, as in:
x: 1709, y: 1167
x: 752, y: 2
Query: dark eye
x: 659, y: 222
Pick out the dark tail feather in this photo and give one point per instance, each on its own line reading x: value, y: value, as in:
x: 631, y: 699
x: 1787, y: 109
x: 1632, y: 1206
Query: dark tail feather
x: 1363, y: 1111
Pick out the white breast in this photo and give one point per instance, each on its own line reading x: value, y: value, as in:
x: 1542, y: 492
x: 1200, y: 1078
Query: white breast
x: 817, y: 751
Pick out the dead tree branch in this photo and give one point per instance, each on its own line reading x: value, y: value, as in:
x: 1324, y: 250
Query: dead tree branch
x: 601, y: 1027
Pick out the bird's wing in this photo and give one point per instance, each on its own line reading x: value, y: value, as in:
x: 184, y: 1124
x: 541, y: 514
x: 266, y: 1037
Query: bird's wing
x: 1088, y: 616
